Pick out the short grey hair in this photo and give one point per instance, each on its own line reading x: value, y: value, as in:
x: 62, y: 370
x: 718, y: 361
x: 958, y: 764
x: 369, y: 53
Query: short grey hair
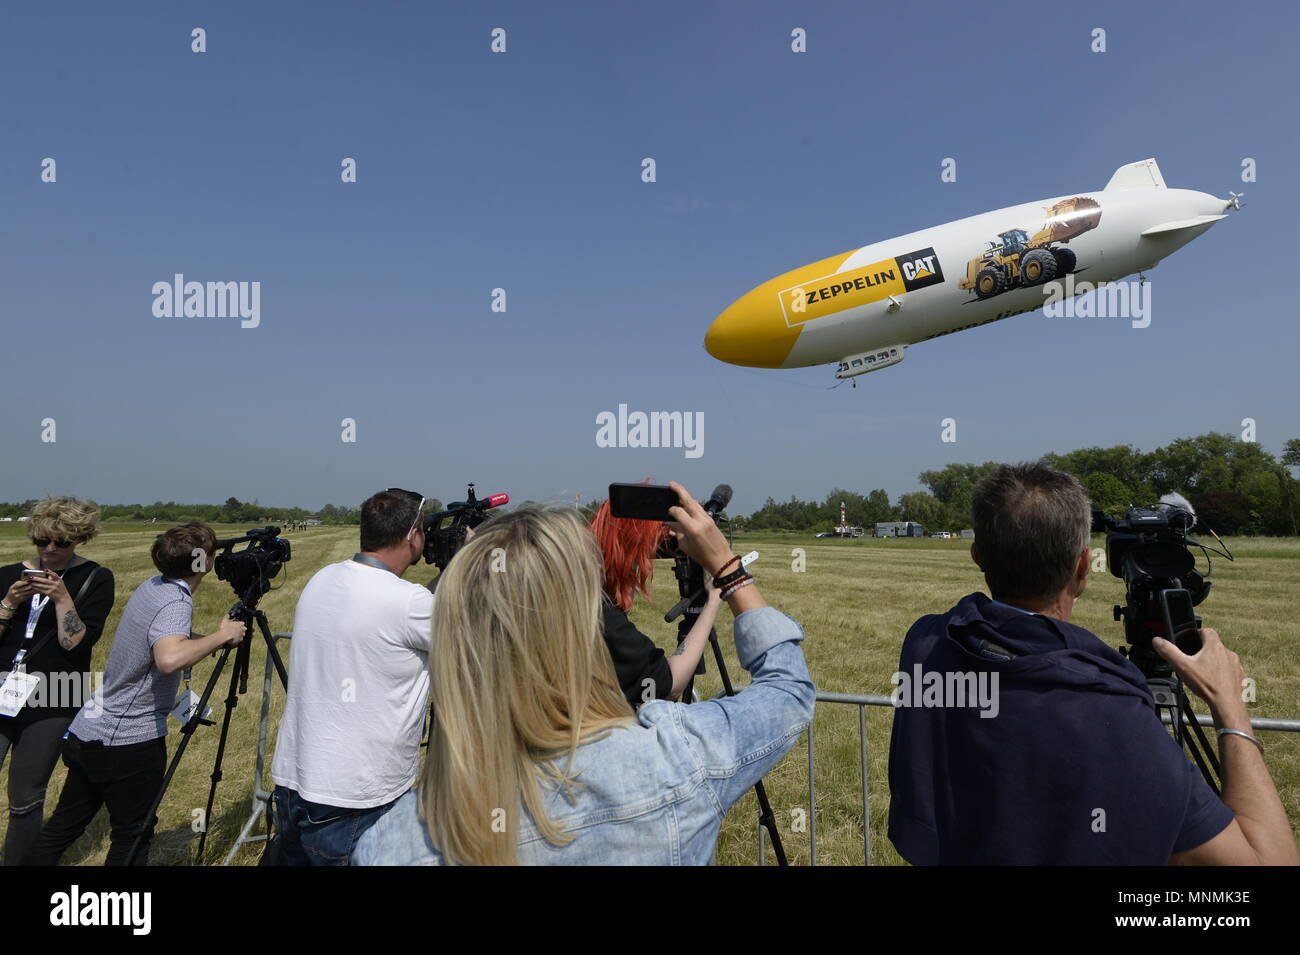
x: 1031, y: 523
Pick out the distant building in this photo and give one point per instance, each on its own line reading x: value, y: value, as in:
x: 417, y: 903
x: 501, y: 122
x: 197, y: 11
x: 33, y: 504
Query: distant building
x: 899, y: 529
x: 968, y: 534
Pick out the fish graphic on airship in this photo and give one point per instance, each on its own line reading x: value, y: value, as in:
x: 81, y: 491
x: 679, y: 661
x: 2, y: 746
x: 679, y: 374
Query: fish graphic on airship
x: 861, y: 309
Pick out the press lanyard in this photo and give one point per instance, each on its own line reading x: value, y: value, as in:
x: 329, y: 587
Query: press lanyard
x: 33, y: 616
x: 371, y: 562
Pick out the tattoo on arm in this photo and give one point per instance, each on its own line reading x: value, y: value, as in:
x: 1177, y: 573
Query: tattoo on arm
x: 72, y: 626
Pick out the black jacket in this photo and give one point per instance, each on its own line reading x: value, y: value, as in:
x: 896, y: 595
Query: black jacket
x: 93, y: 609
x: 636, y: 659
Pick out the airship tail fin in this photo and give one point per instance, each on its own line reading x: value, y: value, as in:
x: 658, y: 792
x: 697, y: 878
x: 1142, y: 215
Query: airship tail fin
x: 1137, y: 175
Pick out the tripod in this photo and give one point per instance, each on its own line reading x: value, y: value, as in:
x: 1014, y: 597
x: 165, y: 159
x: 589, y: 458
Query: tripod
x: 1171, y: 698
x: 244, y: 610
x: 690, y: 587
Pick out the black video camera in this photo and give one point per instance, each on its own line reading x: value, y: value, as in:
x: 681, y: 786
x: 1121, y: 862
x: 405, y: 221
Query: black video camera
x: 441, y: 543
x: 1149, y: 548
x: 250, y: 571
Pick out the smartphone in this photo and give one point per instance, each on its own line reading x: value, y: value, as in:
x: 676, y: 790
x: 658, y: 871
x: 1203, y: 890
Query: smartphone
x: 1184, y: 629
x: 642, y: 502
x: 28, y: 572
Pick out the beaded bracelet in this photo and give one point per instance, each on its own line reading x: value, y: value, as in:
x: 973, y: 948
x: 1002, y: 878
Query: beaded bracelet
x: 723, y: 568
x: 739, y: 585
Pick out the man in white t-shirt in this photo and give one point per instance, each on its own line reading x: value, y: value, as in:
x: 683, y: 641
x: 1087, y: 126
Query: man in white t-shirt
x: 349, y: 742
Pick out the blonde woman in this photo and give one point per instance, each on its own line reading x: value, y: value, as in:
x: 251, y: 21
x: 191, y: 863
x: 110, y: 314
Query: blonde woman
x: 53, y: 611
x: 535, y: 757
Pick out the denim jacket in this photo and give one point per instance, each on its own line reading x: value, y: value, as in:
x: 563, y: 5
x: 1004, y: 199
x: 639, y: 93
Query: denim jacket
x: 654, y: 793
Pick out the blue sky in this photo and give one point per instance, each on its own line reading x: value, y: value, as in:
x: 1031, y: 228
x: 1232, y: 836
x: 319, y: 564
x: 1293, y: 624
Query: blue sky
x: 522, y: 171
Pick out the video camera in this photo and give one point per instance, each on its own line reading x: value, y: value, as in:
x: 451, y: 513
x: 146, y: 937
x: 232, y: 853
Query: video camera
x: 441, y: 543
x: 250, y: 571
x: 1149, y: 548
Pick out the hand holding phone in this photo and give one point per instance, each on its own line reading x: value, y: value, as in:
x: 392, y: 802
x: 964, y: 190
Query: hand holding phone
x: 642, y: 502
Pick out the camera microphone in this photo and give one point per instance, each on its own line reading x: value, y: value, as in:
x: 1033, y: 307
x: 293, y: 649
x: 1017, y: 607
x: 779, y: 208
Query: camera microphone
x: 718, y: 501
x: 1179, y: 510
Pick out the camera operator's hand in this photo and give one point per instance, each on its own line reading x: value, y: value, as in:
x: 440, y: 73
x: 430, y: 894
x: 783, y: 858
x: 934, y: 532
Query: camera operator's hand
x: 231, y: 632
x: 1260, y: 833
x: 696, y: 532
x: 699, y: 537
x: 1213, y: 673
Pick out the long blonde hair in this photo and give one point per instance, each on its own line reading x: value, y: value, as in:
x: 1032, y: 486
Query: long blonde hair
x: 520, y: 675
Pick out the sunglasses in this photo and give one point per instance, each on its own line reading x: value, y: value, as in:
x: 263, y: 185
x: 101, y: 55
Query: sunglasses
x: 44, y: 542
x: 418, y: 511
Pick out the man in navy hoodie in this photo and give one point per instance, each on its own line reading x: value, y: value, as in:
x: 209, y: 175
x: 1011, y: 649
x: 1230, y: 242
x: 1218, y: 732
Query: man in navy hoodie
x: 1022, y: 739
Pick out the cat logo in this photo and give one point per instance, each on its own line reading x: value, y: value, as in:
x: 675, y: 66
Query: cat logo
x: 920, y: 269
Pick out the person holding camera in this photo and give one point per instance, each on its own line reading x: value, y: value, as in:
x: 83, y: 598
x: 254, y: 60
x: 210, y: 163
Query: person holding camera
x: 1065, y: 760
x: 349, y: 740
x: 535, y: 755
x: 628, y: 551
x: 51, y: 616
x: 116, y: 748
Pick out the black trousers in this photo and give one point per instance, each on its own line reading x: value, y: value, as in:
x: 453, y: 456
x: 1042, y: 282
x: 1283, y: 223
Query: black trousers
x: 33, y: 751
x: 124, y: 778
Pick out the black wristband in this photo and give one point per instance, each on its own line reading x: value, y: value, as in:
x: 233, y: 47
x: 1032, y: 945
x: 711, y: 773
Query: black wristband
x: 731, y: 578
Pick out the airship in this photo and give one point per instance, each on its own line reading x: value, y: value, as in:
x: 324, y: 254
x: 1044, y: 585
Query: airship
x: 861, y: 309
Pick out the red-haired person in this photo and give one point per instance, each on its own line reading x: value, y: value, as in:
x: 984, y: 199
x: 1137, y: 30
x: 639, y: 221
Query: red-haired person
x: 628, y: 550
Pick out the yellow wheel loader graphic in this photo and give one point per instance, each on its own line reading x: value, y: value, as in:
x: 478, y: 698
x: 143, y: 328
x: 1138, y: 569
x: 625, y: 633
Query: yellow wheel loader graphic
x: 1021, y: 261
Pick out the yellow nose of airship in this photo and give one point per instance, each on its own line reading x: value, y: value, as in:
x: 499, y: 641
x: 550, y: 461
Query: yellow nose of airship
x: 753, y: 330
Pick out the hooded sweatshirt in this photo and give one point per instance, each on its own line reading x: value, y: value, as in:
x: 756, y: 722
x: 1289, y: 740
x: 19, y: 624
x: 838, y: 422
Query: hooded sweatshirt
x: 1049, y: 750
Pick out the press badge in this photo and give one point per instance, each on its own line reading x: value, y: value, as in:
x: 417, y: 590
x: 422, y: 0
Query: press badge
x: 183, y: 712
x: 17, y: 687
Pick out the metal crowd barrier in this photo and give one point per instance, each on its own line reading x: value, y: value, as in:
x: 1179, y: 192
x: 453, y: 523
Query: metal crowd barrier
x: 862, y: 702
x: 261, y: 798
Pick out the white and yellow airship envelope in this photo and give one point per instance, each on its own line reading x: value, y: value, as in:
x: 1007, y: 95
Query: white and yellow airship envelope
x: 863, y: 308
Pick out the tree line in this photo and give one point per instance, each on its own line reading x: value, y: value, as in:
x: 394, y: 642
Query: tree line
x: 234, y: 511
x: 1237, y: 487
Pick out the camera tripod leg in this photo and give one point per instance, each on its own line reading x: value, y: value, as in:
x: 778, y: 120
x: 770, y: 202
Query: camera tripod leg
x: 766, y: 818
x: 1200, y: 748
x: 187, y: 732
x: 271, y: 650
x: 232, y: 700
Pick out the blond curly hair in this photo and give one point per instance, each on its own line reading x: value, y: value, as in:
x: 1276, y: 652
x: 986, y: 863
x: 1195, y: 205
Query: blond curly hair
x: 64, y: 518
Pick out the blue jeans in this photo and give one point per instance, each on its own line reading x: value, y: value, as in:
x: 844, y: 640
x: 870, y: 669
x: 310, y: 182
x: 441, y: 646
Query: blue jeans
x: 315, y: 834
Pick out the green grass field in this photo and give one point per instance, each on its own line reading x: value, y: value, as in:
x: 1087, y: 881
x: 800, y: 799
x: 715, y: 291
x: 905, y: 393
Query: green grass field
x: 856, y: 600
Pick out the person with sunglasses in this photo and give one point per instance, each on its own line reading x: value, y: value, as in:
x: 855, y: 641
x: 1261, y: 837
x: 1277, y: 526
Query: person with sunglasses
x: 52, y: 612
x: 349, y: 741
